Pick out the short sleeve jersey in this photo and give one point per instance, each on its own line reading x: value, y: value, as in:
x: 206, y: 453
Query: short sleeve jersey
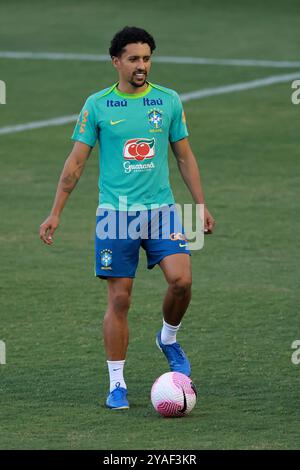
x: 134, y: 131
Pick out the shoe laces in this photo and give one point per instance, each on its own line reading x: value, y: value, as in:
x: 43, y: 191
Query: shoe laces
x: 116, y: 391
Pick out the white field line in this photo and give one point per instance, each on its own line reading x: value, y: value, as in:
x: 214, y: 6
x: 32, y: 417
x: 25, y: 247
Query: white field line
x: 161, y: 59
x: 193, y: 95
x: 261, y: 82
x: 38, y: 124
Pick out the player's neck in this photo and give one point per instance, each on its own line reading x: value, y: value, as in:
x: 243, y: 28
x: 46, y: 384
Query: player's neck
x: 125, y: 87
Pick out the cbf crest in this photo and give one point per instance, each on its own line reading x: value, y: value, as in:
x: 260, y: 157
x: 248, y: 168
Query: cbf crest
x: 106, y: 258
x: 155, y: 118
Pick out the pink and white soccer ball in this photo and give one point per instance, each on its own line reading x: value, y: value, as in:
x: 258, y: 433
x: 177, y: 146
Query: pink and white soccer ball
x: 173, y: 394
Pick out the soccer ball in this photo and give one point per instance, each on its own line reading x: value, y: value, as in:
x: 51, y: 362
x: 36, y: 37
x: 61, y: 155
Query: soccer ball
x: 173, y: 394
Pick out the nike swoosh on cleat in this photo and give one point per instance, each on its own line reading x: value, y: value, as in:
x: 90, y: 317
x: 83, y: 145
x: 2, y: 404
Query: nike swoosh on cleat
x: 113, y: 123
x: 184, y: 408
x: 116, y: 369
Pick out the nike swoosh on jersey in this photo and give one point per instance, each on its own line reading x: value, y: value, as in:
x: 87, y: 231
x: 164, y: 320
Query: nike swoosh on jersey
x: 113, y: 123
x: 182, y: 244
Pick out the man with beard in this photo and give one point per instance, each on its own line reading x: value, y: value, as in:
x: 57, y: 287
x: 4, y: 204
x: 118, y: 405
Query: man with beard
x: 134, y: 121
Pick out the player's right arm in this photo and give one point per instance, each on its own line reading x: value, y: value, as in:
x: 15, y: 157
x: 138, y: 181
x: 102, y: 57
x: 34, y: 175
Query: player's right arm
x: 69, y: 177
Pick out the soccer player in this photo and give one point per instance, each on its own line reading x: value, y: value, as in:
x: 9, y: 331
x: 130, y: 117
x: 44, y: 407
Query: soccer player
x: 134, y: 121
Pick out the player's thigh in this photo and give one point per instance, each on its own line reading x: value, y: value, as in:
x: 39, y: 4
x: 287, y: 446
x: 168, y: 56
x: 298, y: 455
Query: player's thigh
x: 177, y: 267
x: 115, y: 256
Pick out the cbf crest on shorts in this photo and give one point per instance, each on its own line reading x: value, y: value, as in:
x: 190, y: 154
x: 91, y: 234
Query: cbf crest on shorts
x: 106, y: 259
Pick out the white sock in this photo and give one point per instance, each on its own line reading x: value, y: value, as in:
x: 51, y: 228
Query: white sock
x: 168, y: 333
x: 115, y: 369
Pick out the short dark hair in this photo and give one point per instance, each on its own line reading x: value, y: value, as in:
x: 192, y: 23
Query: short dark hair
x: 128, y: 35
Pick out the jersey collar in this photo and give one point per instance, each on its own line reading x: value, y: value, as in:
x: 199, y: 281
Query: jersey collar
x: 132, y: 95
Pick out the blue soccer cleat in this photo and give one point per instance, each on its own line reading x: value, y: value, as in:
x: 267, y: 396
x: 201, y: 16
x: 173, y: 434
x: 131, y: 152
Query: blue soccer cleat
x: 176, y: 357
x: 117, y: 399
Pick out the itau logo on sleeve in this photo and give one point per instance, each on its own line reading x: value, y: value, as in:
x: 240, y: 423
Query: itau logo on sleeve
x: 82, y: 120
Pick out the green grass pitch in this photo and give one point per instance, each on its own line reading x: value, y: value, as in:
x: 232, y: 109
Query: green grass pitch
x: 244, y: 314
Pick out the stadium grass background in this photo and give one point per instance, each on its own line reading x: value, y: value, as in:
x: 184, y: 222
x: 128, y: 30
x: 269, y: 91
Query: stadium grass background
x: 244, y: 313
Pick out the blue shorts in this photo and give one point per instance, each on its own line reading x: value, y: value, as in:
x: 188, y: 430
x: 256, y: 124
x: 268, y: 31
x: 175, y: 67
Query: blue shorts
x: 120, y: 234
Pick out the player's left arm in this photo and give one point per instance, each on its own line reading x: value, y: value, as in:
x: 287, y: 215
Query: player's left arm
x: 190, y: 173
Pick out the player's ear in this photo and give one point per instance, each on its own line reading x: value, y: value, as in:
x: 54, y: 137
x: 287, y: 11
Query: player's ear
x: 115, y: 61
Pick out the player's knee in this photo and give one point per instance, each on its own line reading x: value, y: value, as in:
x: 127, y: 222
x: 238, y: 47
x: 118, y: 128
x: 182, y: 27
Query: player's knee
x: 119, y: 302
x: 181, y: 286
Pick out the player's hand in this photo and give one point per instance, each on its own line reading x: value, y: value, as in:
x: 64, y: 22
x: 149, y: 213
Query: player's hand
x: 47, y: 229
x: 209, y: 222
